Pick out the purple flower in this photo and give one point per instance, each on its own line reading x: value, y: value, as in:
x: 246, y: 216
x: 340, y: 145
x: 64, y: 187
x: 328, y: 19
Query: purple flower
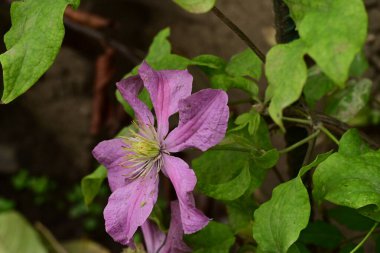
x: 133, y: 162
x: 157, y: 242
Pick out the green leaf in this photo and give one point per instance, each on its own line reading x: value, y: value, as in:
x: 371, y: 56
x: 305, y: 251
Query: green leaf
x: 221, y: 177
x: 279, y: 221
x: 286, y: 72
x: 6, y: 204
x: 265, y: 159
x: 16, y: 235
x: 350, y: 177
x: 32, y: 43
x: 214, y: 238
x: 209, y: 63
x: 321, y: 234
x: 159, y: 55
x: 240, y: 215
x: 250, y: 119
x: 350, y: 218
x: 91, y: 184
x: 351, y: 144
x: 224, y: 178
x: 227, y: 82
x: 359, y: 64
x: 84, y: 246
x: 160, y: 46
x: 316, y: 86
x: 246, y: 63
x: 139, y: 249
x: 347, y: 103
x: 320, y: 158
x: 335, y: 45
x: 196, y: 6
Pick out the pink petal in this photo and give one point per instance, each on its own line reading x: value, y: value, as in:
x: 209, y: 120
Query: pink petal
x: 129, y: 89
x: 129, y: 207
x: 184, y: 180
x: 203, y: 121
x: 154, y: 238
x: 174, y: 242
x: 110, y: 153
x: 166, y: 88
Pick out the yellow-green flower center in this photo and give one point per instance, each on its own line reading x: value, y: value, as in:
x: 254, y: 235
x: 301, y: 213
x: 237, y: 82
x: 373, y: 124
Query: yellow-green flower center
x: 143, y: 151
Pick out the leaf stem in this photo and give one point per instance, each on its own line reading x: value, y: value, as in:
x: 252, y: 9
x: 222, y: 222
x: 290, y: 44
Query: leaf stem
x: 329, y: 134
x: 297, y: 120
x: 365, y: 238
x: 239, y: 33
x: 300, y: 143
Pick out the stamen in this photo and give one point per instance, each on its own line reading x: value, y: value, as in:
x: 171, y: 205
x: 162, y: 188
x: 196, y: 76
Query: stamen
x: 144, y: 151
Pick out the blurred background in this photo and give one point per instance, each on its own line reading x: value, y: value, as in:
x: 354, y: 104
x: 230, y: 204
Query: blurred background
x: 47, y: 134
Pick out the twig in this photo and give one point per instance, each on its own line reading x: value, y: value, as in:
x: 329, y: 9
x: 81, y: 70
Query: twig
x: 118, y: 46
x: 104, y: 72
x: 239, y: 33
x: 57, y: 247
x: 86, y: 18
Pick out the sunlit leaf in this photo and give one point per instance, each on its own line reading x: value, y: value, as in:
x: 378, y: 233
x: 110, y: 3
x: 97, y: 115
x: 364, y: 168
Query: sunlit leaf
x: 246, y: 63
x: 279, y: 221
x: 347, y: 103
x: 196, y: 6
x: 32, y: 43
x: 286, y: 72
x: 84, y: 246
x: 350, y: 177
x: 333, y: 47
x: 17, y: 235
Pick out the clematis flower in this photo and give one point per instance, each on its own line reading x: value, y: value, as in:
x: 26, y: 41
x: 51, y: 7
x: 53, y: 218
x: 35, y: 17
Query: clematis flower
x: 157, y: 242
x: 134, y: 161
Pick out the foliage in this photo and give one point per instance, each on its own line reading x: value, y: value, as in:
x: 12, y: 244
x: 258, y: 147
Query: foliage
x: 313, y: 82
x: 15, y: 229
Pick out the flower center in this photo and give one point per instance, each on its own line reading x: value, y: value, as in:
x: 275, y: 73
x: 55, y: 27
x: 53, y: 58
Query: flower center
x: 144, y: 151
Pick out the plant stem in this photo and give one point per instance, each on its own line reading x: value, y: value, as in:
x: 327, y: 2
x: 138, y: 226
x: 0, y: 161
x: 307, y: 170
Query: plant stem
x: 329, y: 134
x: 239, y: 33
x: 365, y: 238
x: 300, y: 143
x: 297, y: 120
